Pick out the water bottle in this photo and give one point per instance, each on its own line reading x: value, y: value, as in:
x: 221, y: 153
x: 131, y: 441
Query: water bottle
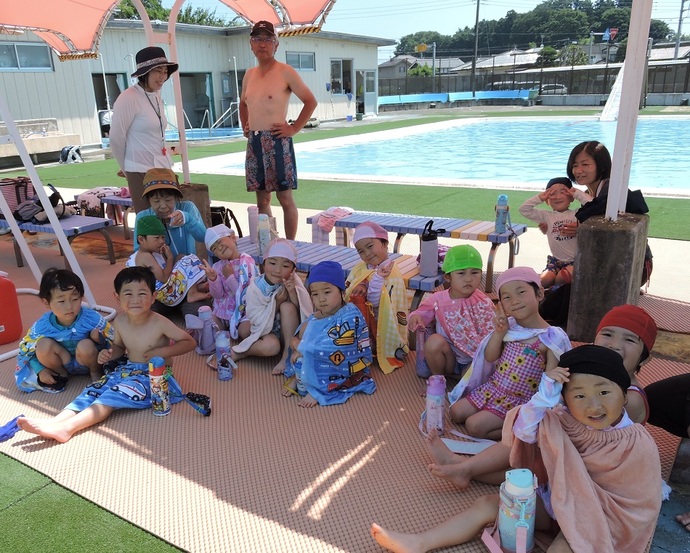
x: 253, y: 214
x: 516, y: 509
x: 501, y: 213
x: 428, y: 258
x: 207, y: 338
x: 436, y: 402
x: 10, y: 317
x: 264, y: 227
x: 160, y: 394
x: 223, y: 359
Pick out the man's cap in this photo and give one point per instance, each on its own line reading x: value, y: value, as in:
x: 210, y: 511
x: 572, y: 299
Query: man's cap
x: 462, y: 257
x: 565, y: 181
x: 263, y: 27
x: 150, y: 225
x: 596, y: 360
x: 161, y: 179
x: 327, y: 271
x: 632, y: 318
x: 280, y: 247
x: 151, y: 57
x: 526, y: 274
x: 369, y: 230
x: 214, y: 234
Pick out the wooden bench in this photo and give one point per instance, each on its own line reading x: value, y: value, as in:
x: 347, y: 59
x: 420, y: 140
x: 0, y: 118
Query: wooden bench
x: 73, y: 226
x: 309, y: 254
x: 126, y: 205
x: 464, y: 229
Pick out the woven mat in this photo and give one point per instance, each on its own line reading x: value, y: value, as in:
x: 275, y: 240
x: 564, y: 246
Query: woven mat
x: 671, y: 315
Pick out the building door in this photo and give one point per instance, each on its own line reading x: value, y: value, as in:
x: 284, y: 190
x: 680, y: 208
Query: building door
x: 106, y: 88
x: 370, y: 93
x: 197, y: 100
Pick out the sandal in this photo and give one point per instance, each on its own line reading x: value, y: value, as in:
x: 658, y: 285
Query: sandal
x: 288, y: 382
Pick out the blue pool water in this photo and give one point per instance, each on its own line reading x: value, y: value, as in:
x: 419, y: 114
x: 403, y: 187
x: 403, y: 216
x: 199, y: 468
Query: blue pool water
x: 204, y: 134
x: 516, y: 150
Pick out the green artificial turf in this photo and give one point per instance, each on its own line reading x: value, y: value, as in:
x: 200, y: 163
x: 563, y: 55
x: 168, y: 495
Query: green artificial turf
x: 36, y: 514
x: 667, y: 216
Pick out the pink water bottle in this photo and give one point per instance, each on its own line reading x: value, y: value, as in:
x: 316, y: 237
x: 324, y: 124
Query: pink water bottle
x: 253, y: 215
x: 436, y: 402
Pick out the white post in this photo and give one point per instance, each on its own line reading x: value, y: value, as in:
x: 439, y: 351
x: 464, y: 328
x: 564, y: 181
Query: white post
x: 629, y: 106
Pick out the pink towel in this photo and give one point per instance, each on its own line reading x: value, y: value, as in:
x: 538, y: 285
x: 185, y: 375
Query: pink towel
x: 331, y: 215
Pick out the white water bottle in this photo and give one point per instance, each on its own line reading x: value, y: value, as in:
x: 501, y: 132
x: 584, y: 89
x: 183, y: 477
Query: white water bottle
x: 223, y: 364
x: 436, y: 402
x: 253, y: 215
x: 516, y: 510
x: 206, y: 339
x: 264, y: 227
x: 428, y: 258
x: 501, y: 213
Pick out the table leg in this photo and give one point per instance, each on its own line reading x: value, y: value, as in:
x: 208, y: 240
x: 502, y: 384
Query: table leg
x: 490, y: 268
x: 398, y: 239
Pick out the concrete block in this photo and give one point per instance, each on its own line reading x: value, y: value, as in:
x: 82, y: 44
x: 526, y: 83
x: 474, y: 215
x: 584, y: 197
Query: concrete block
x: 608, y: 270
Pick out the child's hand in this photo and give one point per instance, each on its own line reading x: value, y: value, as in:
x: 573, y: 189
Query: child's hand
x: 104, y: 356
x: 569, y: 229
x: 227, y: 270
x: 211, y: 273
x: 359, y: 290
x: 166, y: 252
x: 384, y: 270
x: 544, y: 228
x: 545, y: 195
x: 559, y: 374
x: 415, y: 322
x: 296, y: 356
x: 501, y: 325
x: 289, y: 283
x: 176, y: 218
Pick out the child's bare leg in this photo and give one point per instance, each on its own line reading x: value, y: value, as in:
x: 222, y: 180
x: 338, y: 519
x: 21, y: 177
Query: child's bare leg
x: 439, y: 451
x: 194, y: 294
x: 53, y: 357
x: 62, y: 429
x: 559, y: 545
x: 461, y: 410
x: 439, y: 357
x: 547, y: 278
x: 488, y: 466
x: 289, y: 321
x: 484, y: 425
x: 459, y: 529
x: 244, y: 329
x: 266, y: 346
x: 87, y: 355
x: 308, y: 401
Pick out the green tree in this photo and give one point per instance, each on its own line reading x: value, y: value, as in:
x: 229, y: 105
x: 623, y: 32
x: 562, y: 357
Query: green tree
x: 573, y: 54
x: 659, y: 31
x: 420, y: 71
x: 156, y: 11
x: 201, y: 16
x: 548, y: 57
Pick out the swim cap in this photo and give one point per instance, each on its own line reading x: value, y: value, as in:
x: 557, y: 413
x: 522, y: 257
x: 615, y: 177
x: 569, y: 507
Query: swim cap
x: 216, y: 233
x: 369, y: 230
x: 149, y: 225
x: 632, y: 318
x: 565, y: 181
x: 525, y: 274
x: 280, y: 247
x: 462, y: 257
x: 596, y: 360
x: 327, y: 271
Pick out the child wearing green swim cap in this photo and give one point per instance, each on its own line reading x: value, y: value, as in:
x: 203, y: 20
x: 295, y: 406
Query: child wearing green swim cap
x: 459, y: 316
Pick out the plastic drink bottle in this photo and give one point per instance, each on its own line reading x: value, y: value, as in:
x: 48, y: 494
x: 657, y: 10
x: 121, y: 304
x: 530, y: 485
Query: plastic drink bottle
x: 207, y: 337
x: 501, y: 213
x: 253, y: 214
x: 435, y: 402
x: 10, y: 317
x: 428, y: 259
x: 517, y: 505
x: 264, y: 227
x: 160, y: 394
x: 223, y: 361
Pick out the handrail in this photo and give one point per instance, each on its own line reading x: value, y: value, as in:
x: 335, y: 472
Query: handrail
x: 227, y: 113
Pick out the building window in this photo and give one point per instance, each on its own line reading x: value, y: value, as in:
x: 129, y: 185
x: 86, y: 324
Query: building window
x: 341, y: 76
x: 302, y: 61
x: 25, y: 56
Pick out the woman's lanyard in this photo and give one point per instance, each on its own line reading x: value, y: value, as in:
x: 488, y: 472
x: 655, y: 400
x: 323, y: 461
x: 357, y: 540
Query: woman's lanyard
x: 173, y: 247
x: 157, y: 110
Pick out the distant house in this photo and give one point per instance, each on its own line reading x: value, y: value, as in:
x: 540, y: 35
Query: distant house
x: 506, y: 62
x: 666, y: 51
x: 397, y: 66
x: 443, y: 66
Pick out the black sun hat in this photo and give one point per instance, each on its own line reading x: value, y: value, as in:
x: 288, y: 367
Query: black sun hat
x: 151, y: 57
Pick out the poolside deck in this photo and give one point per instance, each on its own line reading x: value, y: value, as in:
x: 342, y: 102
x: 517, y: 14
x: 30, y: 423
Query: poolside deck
x: 261, y: 474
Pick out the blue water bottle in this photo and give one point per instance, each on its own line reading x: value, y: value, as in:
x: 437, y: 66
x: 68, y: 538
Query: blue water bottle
x: 224, y: 362
x: 501, y: 213
x: 516, y: 509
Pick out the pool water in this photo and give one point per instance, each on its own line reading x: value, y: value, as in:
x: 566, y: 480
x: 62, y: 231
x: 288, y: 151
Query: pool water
x: 204, y: 134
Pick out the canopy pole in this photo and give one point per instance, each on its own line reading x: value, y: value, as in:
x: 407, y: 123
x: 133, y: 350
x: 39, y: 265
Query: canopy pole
x: 177, y: 89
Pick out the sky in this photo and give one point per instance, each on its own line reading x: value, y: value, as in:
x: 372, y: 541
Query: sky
x: 396, y: 18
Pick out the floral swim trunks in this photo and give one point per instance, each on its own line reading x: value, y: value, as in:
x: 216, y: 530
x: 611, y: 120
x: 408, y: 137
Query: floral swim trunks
x: 270, y: 164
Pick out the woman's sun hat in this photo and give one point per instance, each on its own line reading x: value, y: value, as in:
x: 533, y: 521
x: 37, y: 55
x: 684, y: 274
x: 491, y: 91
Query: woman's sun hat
x: 151, y: 57
x: 161, y: 179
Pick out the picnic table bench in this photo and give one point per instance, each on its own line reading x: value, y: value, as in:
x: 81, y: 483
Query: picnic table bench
x: 464, y: 229
x: 76, y: 225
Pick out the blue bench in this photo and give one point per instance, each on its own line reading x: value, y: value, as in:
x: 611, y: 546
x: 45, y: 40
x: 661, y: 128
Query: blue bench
x: 463, y: 229
x: 73, y: 226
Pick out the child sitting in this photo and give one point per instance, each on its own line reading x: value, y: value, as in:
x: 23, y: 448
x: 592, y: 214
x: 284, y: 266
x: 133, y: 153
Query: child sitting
x: 277, y: 302
x: 63, y: 341
x: 590, y: 446
x: 330, y: 355
x: 558, y: 195
x: 177, y: 281
x: 509, y: 362
x: 141, y: 334
x: 463, y: 315
x: 228, y: 280
x: 375, y: 285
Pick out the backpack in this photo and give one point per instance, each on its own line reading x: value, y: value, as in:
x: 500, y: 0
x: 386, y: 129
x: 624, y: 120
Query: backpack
x: 221, y: 215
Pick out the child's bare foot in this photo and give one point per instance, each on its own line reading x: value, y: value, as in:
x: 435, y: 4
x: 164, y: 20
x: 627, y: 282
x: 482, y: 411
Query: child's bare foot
x: 290, y: 387
x: 45, y: 428
x: 438, y: 451
x: 454, y: 473
x: 279, y: 368
x: 195, y: 295
x: 395, y: 541
x: 684, y: 519
x: 308, y: 401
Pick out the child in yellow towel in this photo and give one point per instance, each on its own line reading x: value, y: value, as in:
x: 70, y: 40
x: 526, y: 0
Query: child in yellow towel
x: 375, y: 285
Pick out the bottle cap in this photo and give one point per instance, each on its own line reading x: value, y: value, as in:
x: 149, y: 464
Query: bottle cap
x: 205, y: 312
x: 157, y: 366
x: 436, y: 385
x: 519, y: 482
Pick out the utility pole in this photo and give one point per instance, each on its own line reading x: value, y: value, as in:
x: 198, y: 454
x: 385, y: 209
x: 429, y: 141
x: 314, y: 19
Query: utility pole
x: 473, y: 77
x: 433, y: 67
x: 680, y: 26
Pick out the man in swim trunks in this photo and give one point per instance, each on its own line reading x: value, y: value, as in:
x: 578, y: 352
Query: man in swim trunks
x: 266, y: 89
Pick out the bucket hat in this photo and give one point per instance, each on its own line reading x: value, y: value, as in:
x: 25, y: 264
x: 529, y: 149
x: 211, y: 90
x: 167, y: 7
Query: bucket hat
x: 151, y: 57
x: 161, y: 179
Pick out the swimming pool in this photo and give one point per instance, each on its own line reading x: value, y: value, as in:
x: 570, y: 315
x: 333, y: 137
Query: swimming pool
x: 205, y: 134
x: 489, y: 153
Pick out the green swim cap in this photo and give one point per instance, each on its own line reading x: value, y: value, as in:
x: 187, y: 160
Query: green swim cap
x: 462, y: 257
